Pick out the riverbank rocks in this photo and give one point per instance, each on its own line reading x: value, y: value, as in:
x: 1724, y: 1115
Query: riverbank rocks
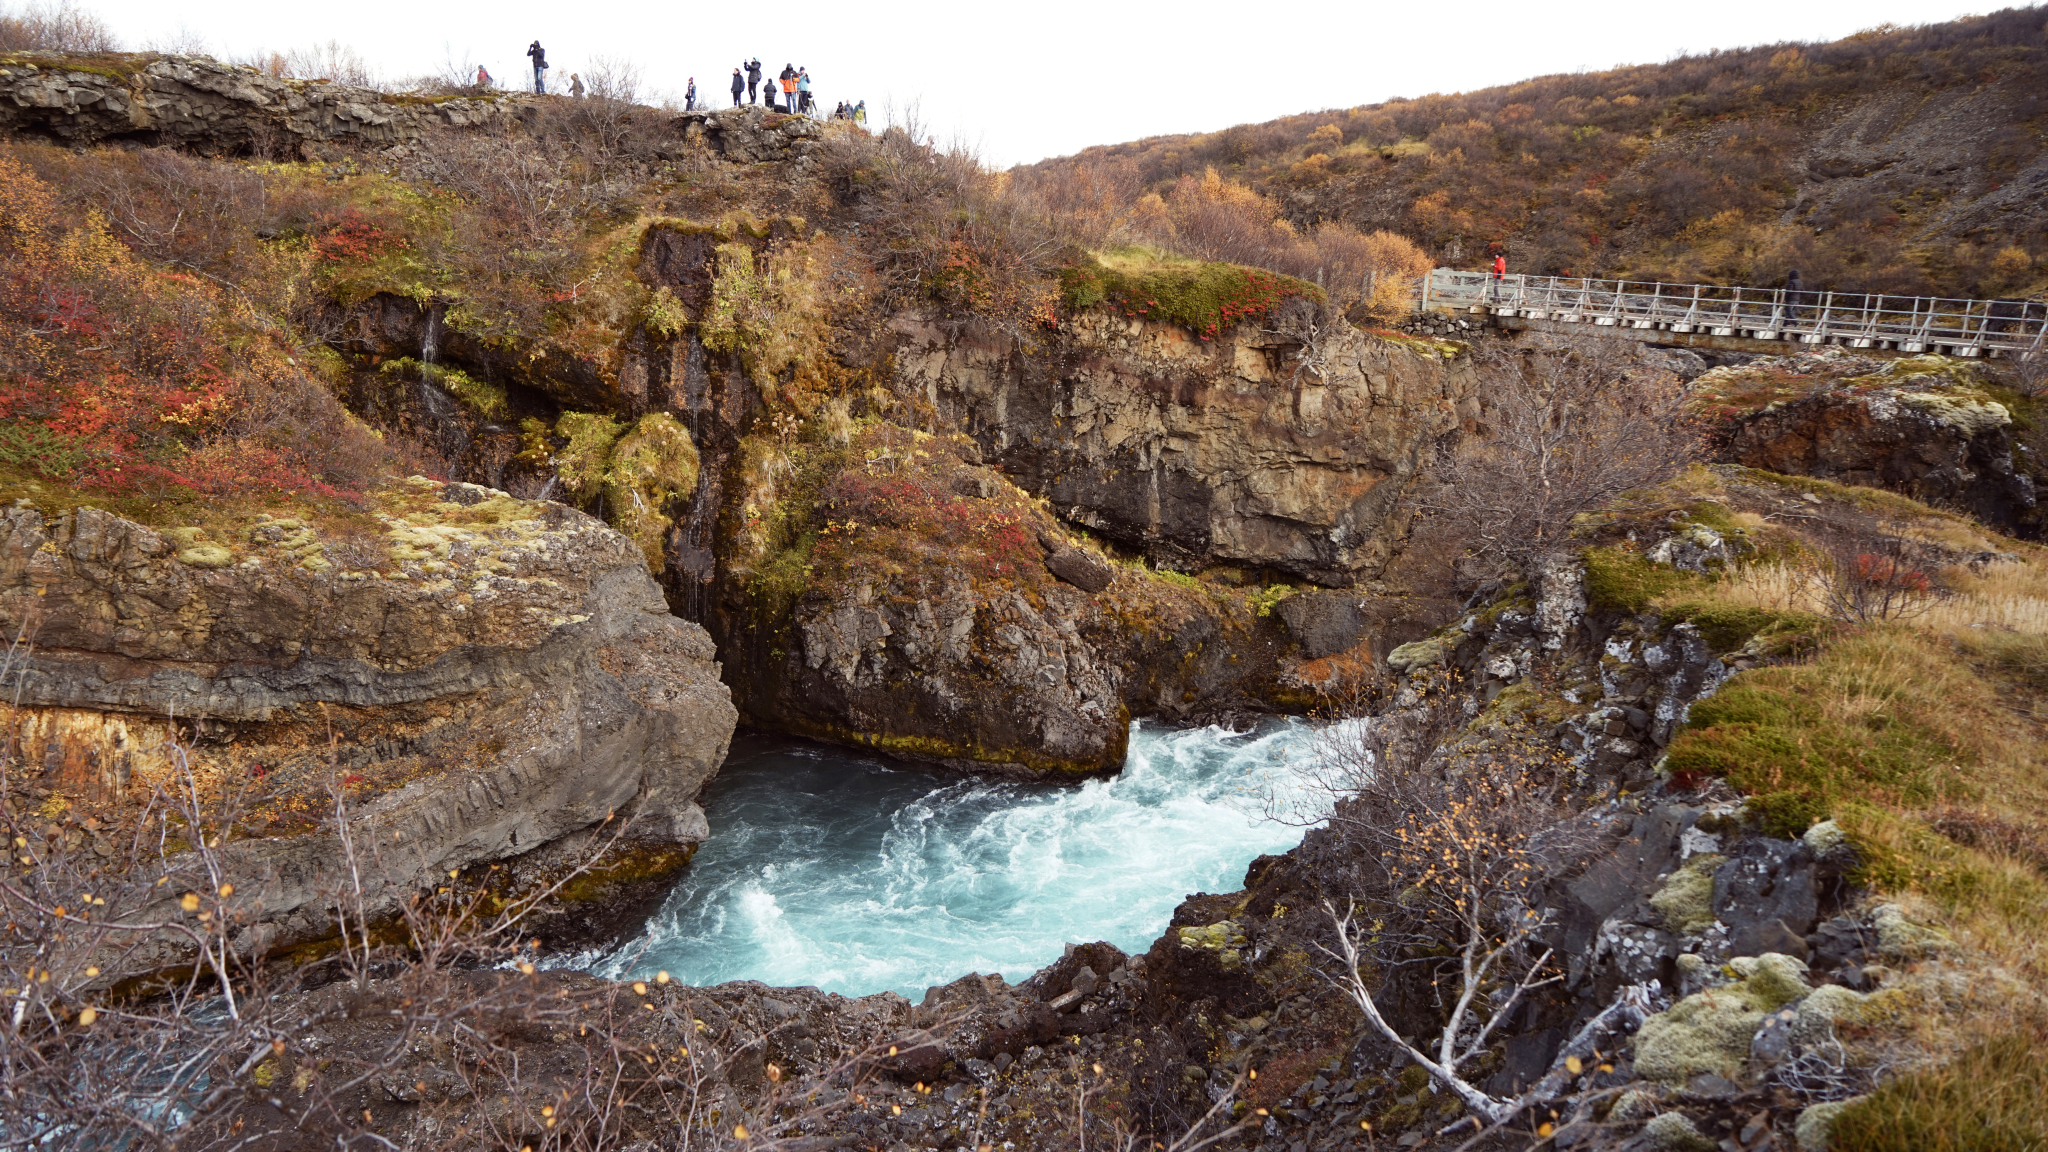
x: 1924, y: 426
x: 479, y: 677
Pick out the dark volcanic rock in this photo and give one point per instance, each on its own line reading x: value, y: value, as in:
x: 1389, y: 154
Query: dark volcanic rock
x: 1923, y: 427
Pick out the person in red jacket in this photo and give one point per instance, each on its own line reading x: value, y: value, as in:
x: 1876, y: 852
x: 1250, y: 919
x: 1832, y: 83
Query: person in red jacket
x: 1500, y: 272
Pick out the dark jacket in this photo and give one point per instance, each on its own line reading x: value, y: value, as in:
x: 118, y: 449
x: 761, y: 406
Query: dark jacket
x: 539, y: 54
x: 787, y: 73
x: 754, y: 72
x: 1796, y: 294
x: 739, y: 85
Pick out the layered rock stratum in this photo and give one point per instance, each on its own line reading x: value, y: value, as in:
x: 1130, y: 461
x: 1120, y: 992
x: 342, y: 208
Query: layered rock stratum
x: 471, y: 677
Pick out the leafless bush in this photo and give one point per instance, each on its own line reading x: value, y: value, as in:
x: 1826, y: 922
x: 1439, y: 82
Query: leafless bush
x: 55, y: 26
x: 611, y: 105
x: 1095, y: 198
x: 1452, y: 844
x: 453, y: 76
x: 1565, y: 431
x: 174, y: 207
x: 527, y: 194
x: 184, y: 41
x: 2030, y: 371
x: 946, y: 227
x: 1365, y: 274
x: 332, y: 60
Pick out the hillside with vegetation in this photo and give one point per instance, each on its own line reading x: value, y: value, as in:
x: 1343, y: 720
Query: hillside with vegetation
x: 1899, y: 160
x: 402, y: 510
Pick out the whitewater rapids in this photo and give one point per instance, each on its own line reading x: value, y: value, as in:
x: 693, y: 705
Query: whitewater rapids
x: 858, y: 875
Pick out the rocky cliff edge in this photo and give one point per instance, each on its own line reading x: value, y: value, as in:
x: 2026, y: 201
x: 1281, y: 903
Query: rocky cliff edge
x: 475, y: 677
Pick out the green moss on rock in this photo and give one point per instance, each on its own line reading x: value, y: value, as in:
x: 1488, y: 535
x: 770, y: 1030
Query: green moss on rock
x: 1708, y: 1033
x: 480, y: 396
x: 581, y: 462
x: 1673, y: 1132
x: 1204, y: 296
x: 650, y: 466
x: 1618, y: 581
x: 1423, y: 653
x: 1686, y: 901
x: 1729, y: 627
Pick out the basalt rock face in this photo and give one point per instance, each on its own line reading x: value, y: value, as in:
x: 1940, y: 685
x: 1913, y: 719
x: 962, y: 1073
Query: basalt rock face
x: 198, y: 103
x: 496, y: 677
x: 1199, y: 453
x: 1923, y: 427
x: 938, y: 656
x: 976, y: 633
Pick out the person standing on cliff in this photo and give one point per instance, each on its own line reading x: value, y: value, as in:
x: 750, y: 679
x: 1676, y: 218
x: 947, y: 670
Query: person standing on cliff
x: 754, y: 80
x: 690, y: 96
x: 739, y: 85
x: 788, y: 82
x: 483, y: 78
x: 803, y: 90
x: 575, y: 86
x: 540, y: 68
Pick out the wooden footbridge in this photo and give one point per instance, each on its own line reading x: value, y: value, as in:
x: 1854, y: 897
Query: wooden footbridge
x: 1740, y: 319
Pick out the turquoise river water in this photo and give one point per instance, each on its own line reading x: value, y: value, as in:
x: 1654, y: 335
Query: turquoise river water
x: 856, y: 874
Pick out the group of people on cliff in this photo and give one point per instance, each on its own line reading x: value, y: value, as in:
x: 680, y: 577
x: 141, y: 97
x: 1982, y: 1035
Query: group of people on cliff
x: 790, y: 91
x: 793, y: 87
x: 539, y: 57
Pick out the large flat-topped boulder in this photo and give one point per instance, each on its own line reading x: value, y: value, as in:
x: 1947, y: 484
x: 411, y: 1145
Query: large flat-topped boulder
x: 479, y: 677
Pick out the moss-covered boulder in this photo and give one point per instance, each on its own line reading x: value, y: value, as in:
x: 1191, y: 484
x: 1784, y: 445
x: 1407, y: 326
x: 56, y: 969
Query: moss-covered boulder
x: 1926, y: 426
x: 1686, y: 901
x: 1709, y: 1033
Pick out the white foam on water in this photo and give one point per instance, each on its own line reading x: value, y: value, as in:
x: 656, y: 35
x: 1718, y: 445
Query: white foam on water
x: 831, y: 869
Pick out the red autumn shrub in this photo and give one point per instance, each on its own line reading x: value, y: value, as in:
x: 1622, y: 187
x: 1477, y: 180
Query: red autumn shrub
x: 880, y: 518
x: 118, y: 376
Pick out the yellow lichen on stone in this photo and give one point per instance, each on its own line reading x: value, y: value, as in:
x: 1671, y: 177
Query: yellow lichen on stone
x: 1226, y: 939
x: 195, y: 550
x: 1971, y: 414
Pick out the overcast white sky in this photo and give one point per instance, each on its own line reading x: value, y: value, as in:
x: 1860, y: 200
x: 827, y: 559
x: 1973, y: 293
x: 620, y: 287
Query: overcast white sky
x: 1037, y: 78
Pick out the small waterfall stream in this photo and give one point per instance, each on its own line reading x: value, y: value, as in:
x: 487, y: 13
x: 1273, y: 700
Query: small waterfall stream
x: 692, y: 543
x: 430, y: 344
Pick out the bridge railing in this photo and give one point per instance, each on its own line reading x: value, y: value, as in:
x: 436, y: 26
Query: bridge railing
x: 1855, y: 319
